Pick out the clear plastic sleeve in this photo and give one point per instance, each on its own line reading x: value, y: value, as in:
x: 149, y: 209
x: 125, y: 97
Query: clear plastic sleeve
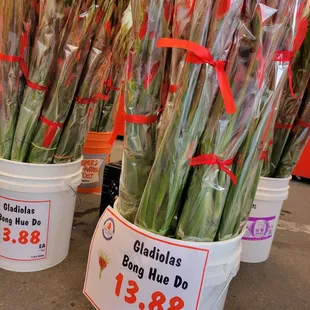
x: 181, y: 26
x: 94, y: 73
x: 11, y: 15
x: 289, y: 105
x: 70, y: 61
x: 161, y: 200
x: 43, y: 61
x: 296, y: 142
x: 144, y: 77
x: 224, y: 134
x: 222, y: 138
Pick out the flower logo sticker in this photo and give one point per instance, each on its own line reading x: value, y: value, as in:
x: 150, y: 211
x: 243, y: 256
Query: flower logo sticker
x: 103, y: 261
x: 108, y: 229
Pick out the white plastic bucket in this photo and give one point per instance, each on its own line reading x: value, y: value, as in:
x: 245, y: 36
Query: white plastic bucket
x: 37, y: 205
x: 263, y: 219
x: 223, y: 265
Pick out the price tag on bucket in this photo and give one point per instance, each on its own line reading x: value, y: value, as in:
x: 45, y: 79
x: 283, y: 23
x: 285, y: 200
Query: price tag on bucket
x: 23, y: 229
x: 129, y: 268
x: 93, y: 170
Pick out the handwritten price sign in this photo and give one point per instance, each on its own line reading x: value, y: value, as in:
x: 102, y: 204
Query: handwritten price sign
x: 23, y: 229
x: 129, y: 268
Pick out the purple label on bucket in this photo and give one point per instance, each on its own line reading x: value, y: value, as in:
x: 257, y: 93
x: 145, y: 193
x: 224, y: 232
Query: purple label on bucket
x: 259, y: 228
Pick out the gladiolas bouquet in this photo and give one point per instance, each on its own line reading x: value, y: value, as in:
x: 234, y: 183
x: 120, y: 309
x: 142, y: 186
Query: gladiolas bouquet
x: 290, y: 103
x: 41, y: 69
x: 249, y: 158
x: 95, y: 71
x: 209, y: 152
x: 12, y: 46
x: 297, y: 140
x: 61, y: 52
x: 106, y: 108
x: 144, y: 76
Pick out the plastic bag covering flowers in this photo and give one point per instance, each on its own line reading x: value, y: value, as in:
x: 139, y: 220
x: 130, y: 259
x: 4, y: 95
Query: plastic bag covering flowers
x: 145, y: 72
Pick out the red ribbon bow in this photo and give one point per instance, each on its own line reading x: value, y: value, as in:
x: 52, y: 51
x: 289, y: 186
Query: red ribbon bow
x: 288, y: 56
x: 51, y: 130
x: 199, y: 55
x: 212, y: 159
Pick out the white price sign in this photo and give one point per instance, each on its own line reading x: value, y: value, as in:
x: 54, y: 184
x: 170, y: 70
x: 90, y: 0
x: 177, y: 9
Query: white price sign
x: 23, y: 229
x: 91, y: 170
x: 129, y: 268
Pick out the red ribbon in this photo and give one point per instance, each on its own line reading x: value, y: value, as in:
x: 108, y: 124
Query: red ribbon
x: 212, y: 159
x: 199, y: 55
x: 36, y: 86
x: 303, y: 124
x: 122, y: 117
x: 51, y: 130
x: 94, y: 99
x: 283, y: 126
x: 140, y: 119
x: 119, y: 119
x: 22, y: 63
x: 288, y: 56
x: 85, y: 100
x: 102, y: 97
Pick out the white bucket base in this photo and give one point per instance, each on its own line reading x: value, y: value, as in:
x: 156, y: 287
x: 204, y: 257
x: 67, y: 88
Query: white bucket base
x: 263, y: 219
x: 37, y: 205
x: 36, y: 268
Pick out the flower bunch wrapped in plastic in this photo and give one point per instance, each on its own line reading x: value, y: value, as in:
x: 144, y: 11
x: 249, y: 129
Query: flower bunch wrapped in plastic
x: 211, y: 38
x: 144, y: 77
x: 12, y: 46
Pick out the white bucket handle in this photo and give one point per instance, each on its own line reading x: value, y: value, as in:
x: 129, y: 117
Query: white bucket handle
x: 79, y: 200
x: 232, y: 274
x: 222, y: 293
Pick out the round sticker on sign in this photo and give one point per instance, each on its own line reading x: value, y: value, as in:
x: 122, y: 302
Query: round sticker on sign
x: 108, y: 229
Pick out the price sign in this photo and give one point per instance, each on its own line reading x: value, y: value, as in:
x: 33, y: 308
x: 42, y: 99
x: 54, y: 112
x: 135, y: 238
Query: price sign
x: 23, y: 229
x: 92, y: 170
x: 129, y: 268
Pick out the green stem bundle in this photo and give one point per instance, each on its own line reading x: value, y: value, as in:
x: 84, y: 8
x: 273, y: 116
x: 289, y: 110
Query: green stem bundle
x: 11, y: 17
x: 161, y: 201
x: 145, y: 72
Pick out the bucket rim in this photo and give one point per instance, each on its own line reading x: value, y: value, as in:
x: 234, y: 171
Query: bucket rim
x: 276, y: 179
x: 274, y: 190
x: 99, y: 133
x: 41, y: 165
x: 199, y: 244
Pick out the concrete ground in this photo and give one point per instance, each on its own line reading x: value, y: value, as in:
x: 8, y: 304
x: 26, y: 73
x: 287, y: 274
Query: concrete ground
x: 281, y: 283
